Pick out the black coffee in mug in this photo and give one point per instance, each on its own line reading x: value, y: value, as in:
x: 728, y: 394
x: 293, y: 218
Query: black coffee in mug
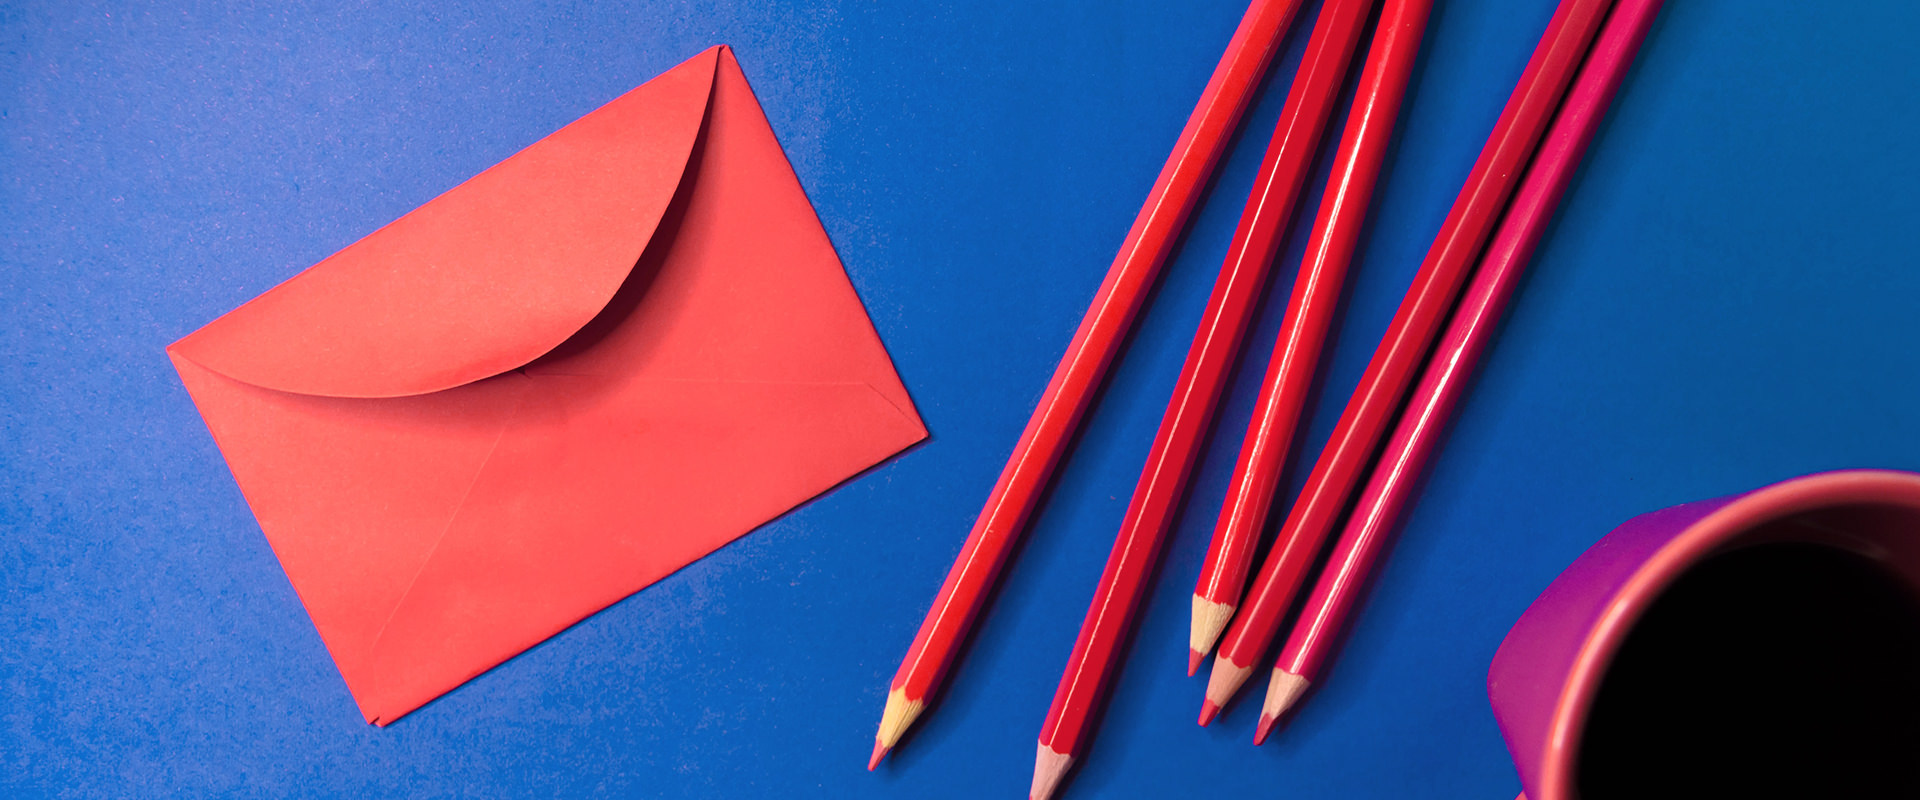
x: 1774, y: 670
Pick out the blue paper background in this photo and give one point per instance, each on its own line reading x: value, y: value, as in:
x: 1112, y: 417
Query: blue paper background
x: 1728, y: 299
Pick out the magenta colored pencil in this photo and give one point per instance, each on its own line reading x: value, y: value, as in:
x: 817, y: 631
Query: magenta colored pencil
x: 1417, y: 434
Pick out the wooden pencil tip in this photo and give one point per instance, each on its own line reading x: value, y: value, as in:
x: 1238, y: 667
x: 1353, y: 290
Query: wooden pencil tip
x: 1226, y: 679
x: 894, y: 719
x: 1209, y: 621
x: 1207, y: 712
x: 1048, y: 768
x: 1283, y: 690
x: 1265, y: 727
x: 1194, y: 657
x: 879, y: 752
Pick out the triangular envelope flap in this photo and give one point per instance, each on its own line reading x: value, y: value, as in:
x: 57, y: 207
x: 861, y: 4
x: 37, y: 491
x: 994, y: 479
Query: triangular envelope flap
x: 751, y: 289
x: 485, y: 277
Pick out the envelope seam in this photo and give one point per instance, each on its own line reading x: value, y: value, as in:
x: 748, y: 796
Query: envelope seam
x: 904, y: 413
x: 381, y: 634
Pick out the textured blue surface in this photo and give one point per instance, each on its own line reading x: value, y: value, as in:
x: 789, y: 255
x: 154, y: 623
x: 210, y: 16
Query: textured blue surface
x: 1728, y: 298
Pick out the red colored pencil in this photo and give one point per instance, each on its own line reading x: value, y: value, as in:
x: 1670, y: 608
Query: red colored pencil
x: 1216, y: 346
x: 1421, y: 425
x: 1182, y: 179
x: 1402, y: 350
x: 1316, y: 290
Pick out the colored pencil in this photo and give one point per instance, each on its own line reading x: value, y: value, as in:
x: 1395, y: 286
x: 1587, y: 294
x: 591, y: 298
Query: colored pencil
x: 1384, y: 384
x: 1207, y: 133
x: 1422, y: 425
x: 1210, y: 359
x: 1316, y: 291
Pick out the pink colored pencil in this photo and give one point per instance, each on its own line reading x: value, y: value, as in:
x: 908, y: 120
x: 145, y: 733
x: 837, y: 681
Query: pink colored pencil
x: 1421, y: 425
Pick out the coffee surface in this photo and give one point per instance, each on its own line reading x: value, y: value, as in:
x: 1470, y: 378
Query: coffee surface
x: 1779, y: 670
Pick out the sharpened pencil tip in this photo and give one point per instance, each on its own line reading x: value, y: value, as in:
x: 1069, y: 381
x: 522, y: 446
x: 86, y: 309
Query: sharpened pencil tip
x: 1265, y: 727
x: 1225, y: 680
x: 879, y: 752
x: 1049, y: 766
x: 1207, y: 712
x: 1209, y: 621
x: 1194, y: 657
x: 1283, y: 691
x: 894, y: 719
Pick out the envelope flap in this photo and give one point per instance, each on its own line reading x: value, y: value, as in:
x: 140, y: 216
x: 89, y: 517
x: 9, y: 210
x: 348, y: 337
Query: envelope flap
x: 485, y: 277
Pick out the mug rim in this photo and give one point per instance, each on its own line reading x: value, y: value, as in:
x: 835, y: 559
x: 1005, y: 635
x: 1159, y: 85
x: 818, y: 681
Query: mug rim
x: 1692, y: 544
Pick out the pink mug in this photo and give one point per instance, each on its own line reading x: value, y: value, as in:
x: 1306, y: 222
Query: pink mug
x: 1548, y: 671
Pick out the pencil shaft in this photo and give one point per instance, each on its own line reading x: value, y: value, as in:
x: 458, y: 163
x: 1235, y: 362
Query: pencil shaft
x: 1422, y: 425
x: 1210, y: 359
x: 1310, y: 310
x: 1431, y: 296
x: 1205, y: 137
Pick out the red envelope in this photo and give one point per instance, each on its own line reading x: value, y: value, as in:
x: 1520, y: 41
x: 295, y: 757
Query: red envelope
x: 562, y: 380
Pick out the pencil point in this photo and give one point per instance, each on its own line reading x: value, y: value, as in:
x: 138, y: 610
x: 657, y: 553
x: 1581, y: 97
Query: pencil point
x: 894, y: 719
x: 1283, y: 690
x: 1048, y: 767
x: 1225, y: 680
x: 1194, y: 657
x: 1265, y: 727
x: 879, y: 752
x: 1209, y: 620
x: 1207, y: 712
